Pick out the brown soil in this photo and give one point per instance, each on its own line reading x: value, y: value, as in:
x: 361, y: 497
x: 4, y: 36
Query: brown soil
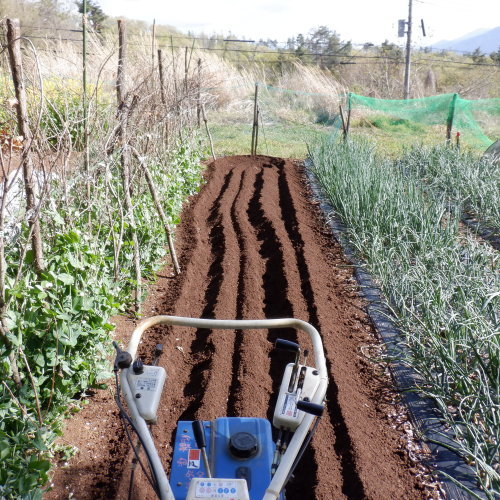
x: 252, y: 245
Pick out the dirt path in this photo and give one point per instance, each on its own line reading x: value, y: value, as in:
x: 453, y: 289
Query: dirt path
x: 252, y: 246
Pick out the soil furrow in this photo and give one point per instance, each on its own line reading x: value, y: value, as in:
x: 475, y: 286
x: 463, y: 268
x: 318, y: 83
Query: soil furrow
x: 235, y: 387
x: 353, y: 397
x: 216, y: 347
x: 202, y: 346
x: 274, y: 282
x: 352, y: 485
x: 282, y: 216
x: 253, y: 385
x: 275, y: 250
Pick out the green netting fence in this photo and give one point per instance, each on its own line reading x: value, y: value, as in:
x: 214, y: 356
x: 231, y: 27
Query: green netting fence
x: 290, y: 119
x: 441, y: 116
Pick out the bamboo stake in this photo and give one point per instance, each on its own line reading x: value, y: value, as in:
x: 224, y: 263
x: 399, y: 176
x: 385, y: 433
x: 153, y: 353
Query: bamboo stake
x: 198, y: 98
x: 4, y: 330
x: 33, y: 386
x: 162, y: 82
x: 123, y: 113
x: 161, y: 213
x: 255, y: 120
x: 15, y: 58
x: 208, y: 131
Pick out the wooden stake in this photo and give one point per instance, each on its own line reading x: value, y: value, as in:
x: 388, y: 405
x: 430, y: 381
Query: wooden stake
x: 256, y: 131
x: 344, y: 125
x: 451, y: 116
x: 86, y: 155
x: 348, y: 124
x: 208, y: 131
x: 161, y: 213
x: 162, y: 82
x: 186, y: 70
x: 255, y: 121
x: 198, y: 99
x: 163, y: 97
x: 16, y: 65
x: 174, y: 74
x: 120, y: 75
x: 153, y: 43
x: 123, y: 114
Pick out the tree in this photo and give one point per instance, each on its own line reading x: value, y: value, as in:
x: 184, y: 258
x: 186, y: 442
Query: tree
x: 478, y: 57
x: 326, y: 47
x: 391, y: 51
x: 495, y: 56
x: 300, y: 50
x: 290, y: 44
x: 95, y: 14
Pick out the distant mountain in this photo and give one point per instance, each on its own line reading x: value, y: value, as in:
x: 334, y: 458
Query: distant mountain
x: 487, y: 40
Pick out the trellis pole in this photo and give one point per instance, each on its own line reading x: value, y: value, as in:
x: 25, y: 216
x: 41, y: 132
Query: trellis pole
x: 124, y: 110
x: 16, y: 64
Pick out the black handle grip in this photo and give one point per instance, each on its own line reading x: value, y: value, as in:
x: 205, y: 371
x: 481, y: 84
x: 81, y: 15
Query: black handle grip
x: 311, y: 408
x: 287, y: 345
x: 199, y: 434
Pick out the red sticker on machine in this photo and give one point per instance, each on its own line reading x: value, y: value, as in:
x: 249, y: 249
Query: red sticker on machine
x: 194, y: 459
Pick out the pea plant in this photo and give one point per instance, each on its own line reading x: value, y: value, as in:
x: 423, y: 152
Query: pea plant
x: 56, y: 300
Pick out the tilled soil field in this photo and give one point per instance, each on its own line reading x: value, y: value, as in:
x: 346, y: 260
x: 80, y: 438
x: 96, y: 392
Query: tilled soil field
x: 252, y: 245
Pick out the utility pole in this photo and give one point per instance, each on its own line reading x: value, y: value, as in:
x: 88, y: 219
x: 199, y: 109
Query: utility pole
x: 406, y: 92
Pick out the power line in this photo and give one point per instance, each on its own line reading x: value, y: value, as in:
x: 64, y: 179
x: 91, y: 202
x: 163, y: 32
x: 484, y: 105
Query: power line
x: 54, y: 38
x: 258, y: 43
x: 319, y: 55
x: 51, y: 29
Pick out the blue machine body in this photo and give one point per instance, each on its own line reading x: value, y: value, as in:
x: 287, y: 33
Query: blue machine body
x: 236, y: 448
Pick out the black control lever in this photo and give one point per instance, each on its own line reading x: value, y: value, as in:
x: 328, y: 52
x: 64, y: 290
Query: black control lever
x: 287, y: 345
x: 199, y: 434
x: 123, y: 359
x: 199, y: 437
x: 311, y: 408
x: 290, y: 346
x: 158, y: 352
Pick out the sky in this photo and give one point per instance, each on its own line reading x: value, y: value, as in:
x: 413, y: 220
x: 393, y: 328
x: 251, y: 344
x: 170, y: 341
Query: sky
x: 357, y: 20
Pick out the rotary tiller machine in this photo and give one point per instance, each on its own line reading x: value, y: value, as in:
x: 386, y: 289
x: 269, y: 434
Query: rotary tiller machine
x: 230, y: 457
